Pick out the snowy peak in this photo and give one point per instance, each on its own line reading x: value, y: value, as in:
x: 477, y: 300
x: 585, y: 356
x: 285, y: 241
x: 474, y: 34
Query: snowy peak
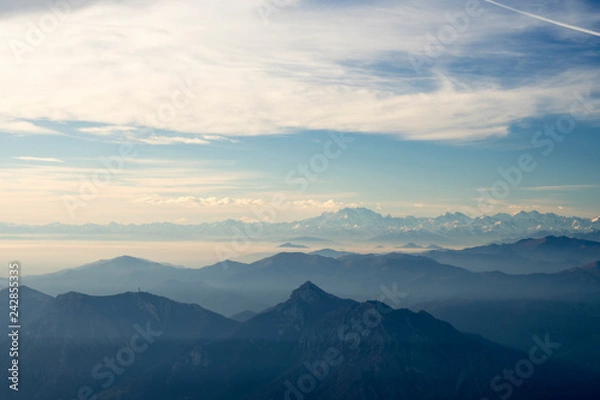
x: 347, y: 223
x: 346, y: 219
x: 354, y: 215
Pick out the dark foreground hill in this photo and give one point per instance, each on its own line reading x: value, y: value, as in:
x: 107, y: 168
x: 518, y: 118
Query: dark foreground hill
x: 574, y: 324
x: 314, y: 345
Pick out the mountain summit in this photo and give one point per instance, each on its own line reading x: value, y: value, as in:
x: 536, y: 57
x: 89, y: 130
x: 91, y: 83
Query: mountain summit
x: 310, y: 293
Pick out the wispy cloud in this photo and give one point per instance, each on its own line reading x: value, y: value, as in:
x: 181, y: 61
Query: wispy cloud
x: 166, y: 140
x: 107, y: 130
x: 41, y: 159
x: 314, y: 205
x: 198, y: 201
x: 320, y: 66
x: 560, y: 188
x: 310, y: 69
x: 42, y: 187
x: 20, y: 126
x: 148, y: 135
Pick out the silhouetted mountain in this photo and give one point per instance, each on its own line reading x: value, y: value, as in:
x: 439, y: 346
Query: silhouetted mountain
x: 71, y: 344
x: 309, y: 240
x: 315, y: 345
x: 32, y: 305
x: 549, y: 254
x: 573, y: 324
x: 137, y: 345
x: 331, y: 253
x: 372, y: 276
x: 592, y: 268
x: 292, y: 246
x: 410, y: 245
x: 126, y: 273
x: 231, y: 287
x: 286, y: 320
x: 355, y: 276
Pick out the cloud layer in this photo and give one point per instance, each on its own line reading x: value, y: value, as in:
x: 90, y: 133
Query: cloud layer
x: 218, y: 67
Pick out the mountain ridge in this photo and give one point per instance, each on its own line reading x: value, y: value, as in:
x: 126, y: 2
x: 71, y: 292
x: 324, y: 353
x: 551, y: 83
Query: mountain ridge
x: 344, y: 224
x: 533, y: 255
x: 230, y: 288
x: 357, y: 350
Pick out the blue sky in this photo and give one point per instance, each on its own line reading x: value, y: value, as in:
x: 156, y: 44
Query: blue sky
x: 180, y: 112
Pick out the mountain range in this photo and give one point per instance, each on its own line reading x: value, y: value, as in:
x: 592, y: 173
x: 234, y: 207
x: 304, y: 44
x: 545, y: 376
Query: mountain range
x: 312, y: 345
x: 348, y: 224
x: 547, y: 254
x: 395, y: 278
x: 443, y: 324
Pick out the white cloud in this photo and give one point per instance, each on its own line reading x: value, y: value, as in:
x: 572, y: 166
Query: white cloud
x: 148, y: 135
x: 560, y: 188
x: 107, y: 130
x: 165, y: 140
x: 41, y: 159
x: 17, y: 126
x: 313, y: 205
x: 198, y: 201
x: 305, y: 70
x: 43, y: 187
x: 327, y: 205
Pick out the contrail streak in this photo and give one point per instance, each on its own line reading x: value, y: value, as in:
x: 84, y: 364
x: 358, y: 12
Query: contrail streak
x: 551, y: 21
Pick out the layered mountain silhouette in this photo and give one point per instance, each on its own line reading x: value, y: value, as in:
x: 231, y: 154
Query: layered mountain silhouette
x: 592, y: 268
x: 331, y: 253
x: 292, y: 246
x: 395, y: 278
x: 313, y: 345
x: 548, y: 254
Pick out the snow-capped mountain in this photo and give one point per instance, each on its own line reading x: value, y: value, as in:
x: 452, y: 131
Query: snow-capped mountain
x: 352, y: 224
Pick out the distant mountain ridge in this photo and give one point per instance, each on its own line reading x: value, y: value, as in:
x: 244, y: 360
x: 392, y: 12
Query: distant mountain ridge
x: 232, y: 287
x: 345, y: 224
x: 548, y: 255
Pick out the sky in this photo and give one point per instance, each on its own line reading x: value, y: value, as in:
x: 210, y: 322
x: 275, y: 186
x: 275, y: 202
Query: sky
x: 188, y: 112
